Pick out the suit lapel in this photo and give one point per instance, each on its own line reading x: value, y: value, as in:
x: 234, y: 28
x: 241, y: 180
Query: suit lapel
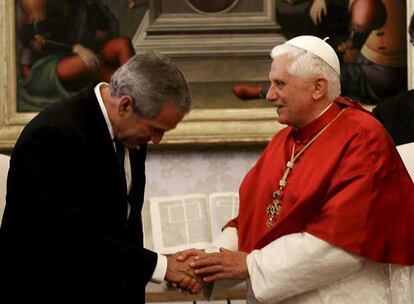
x: 102, y: 149
x: 136, y: 195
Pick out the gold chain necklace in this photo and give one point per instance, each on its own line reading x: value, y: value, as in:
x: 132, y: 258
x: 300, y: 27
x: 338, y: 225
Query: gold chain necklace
x: 273, y: 208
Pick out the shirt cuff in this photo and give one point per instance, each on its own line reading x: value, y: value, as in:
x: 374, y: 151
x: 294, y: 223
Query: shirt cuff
x: 160, y: 269
x: 228, y: 239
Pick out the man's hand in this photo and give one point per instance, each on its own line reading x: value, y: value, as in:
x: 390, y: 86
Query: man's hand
x: 317, y: 10
x: 180, y: 274
x: 37, y: 44
x: 226, y: 265
x: 87, y: 56
x: 184, y: 255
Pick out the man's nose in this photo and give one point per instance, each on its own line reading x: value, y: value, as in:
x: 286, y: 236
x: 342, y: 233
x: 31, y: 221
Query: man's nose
x: 157, y: 137
x: 272, y: 94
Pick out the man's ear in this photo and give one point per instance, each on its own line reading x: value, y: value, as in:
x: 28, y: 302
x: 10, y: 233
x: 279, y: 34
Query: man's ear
x: 320, y: 87
x: 125, y: 105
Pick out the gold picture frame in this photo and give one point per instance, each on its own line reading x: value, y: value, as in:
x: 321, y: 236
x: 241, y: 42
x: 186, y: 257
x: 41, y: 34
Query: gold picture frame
x: 201, y: 126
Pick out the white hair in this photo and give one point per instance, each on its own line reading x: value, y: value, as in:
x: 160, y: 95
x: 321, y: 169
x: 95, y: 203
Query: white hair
x: 306, y: 65
x: 152, y: 80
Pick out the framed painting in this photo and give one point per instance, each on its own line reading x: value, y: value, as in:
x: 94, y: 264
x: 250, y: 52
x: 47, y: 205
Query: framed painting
x: 240, y: 35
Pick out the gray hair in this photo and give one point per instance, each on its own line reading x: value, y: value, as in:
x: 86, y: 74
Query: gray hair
x: 306, y: 65
x: 151, y: 80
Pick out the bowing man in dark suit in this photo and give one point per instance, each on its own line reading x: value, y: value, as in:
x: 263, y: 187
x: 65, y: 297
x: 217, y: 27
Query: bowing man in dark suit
x: 72, y: 224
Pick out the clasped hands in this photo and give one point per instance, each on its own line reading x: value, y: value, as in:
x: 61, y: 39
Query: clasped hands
x: 189, y: 270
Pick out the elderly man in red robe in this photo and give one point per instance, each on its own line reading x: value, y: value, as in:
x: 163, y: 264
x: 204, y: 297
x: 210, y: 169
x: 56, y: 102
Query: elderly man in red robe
x: 327, y: 210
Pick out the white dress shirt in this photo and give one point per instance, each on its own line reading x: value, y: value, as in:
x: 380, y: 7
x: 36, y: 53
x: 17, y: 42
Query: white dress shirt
x: 161, y: 267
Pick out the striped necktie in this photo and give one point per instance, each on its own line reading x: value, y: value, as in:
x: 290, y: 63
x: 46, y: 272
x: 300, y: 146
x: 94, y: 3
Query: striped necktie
x: 120, y: 155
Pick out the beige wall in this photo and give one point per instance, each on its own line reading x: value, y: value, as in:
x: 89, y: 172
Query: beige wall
x: 178, y: 173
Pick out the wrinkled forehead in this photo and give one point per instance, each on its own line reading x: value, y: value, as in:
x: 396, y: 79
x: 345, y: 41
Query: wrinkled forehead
x: 280, y: 65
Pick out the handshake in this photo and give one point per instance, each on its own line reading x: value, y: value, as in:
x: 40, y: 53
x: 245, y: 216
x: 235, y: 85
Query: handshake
x: 190, y: 269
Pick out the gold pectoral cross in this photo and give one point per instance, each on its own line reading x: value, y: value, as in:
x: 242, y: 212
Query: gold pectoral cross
x: 273, y: 209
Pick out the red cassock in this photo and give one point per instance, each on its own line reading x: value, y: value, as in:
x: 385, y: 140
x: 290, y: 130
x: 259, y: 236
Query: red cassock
x: 349, y: 188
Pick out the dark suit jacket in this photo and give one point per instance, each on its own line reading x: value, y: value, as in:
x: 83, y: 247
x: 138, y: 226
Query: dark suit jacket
x: 65, y: 232
x: 397, y: 115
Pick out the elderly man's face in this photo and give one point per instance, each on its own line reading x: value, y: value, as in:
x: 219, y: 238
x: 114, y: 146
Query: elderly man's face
x: 135, y: 130
x: 290, y: 94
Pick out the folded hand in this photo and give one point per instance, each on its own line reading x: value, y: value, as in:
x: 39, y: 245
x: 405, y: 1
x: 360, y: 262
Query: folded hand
x: 180, y: 274
x: 224, y: 265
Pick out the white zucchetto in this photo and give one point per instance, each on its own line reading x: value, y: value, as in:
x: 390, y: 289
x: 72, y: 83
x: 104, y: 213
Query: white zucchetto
x: 318, y: 47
